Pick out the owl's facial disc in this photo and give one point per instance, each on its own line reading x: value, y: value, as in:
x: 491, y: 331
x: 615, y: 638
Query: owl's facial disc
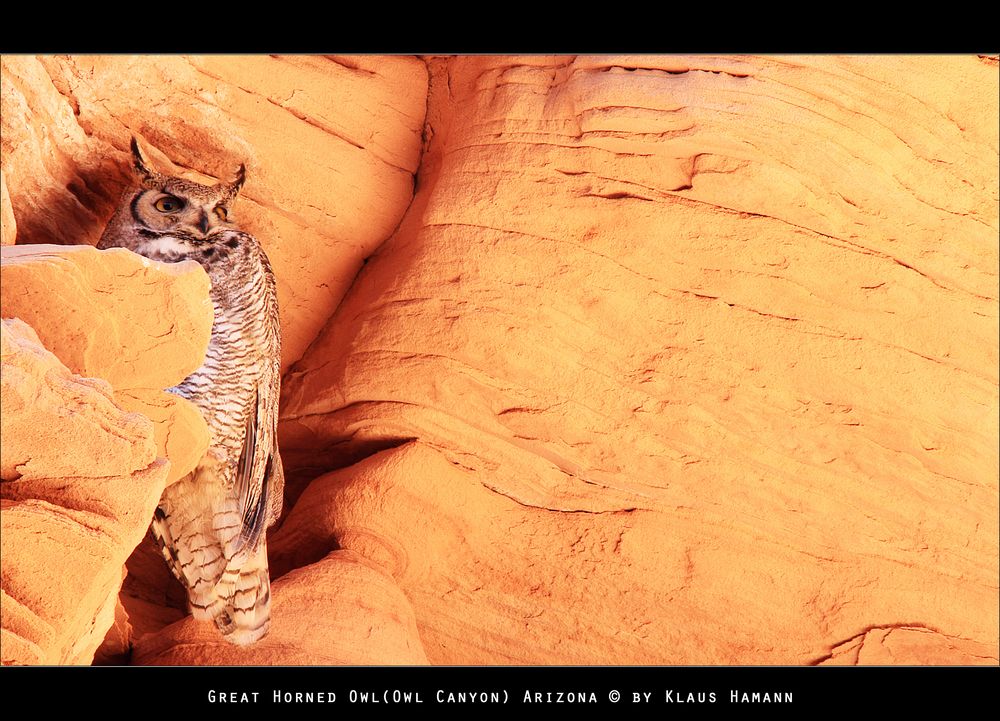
x: 188, y: 212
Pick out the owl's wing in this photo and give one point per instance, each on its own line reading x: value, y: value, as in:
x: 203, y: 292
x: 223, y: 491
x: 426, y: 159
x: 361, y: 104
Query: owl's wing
x: 254, y: 475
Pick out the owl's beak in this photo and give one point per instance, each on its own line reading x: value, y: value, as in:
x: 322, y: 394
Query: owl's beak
x: 203, y: 222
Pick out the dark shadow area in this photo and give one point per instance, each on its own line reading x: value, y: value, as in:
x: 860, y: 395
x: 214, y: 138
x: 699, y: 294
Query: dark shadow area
x: 75, y: 212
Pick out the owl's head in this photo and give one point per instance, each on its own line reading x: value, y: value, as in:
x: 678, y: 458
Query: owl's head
x: 169, y: 218
x: 181, y: 208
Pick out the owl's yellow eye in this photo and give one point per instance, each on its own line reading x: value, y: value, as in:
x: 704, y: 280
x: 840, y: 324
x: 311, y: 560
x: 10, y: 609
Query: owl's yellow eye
x: 168, y: 204
x: 221, y: 212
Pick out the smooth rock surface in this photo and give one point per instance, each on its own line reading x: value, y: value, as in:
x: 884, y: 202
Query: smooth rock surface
x: 116, y: 648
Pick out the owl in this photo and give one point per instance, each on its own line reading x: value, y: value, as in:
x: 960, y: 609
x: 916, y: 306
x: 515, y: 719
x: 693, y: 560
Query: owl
x: 211, y: 524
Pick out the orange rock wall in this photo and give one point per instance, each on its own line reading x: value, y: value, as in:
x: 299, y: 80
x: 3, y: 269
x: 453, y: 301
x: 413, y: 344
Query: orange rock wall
x: 694, y: 360
x: 674, y: 360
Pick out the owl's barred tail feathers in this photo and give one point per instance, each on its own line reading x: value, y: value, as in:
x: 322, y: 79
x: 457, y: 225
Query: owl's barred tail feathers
x: 233, y: 592
x: 240, y: 603
x: 241, y: 607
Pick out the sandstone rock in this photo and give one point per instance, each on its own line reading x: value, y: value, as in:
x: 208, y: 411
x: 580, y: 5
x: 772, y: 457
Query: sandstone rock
x: 117, y: 645
x: 339, y: 610
x: 47, y: 413
x: 80, y: 474
x: 110, y: 313
x: 702, y: 357
x: 909, y: 645
x: 179, y: 429
x: 8, y: 225
x: 148, y: 616
x: 141, y: 325
x: 331, y: 146
x: 151, y: 594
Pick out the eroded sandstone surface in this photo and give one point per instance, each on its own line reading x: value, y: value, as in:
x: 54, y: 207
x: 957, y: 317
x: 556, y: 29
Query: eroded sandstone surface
x: 80, y: 480
x: 140, y: 325
x: 692, y: 360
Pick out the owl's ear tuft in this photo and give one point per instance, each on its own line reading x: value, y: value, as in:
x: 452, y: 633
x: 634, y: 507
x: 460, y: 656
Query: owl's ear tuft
x: 146, y: 176
x: 233, y: 189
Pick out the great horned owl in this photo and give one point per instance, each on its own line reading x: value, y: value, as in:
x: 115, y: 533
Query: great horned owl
x: 211, y: 524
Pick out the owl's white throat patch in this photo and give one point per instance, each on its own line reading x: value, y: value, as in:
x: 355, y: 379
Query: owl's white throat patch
x: 166, y: 245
